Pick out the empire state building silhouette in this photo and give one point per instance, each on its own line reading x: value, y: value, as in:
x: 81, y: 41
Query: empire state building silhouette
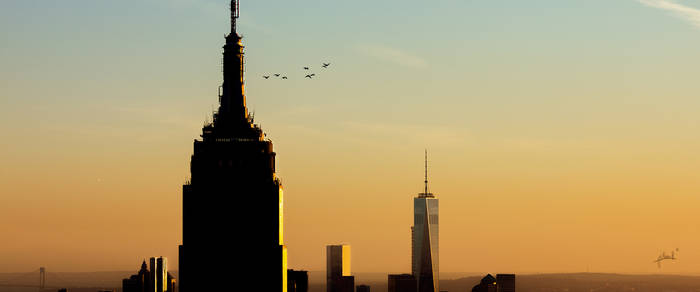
x: 232, y: 206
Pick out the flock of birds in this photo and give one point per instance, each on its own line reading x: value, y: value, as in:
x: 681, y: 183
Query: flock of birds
x: 306, y: 69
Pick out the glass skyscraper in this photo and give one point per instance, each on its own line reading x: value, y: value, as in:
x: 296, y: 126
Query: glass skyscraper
x: 425, y: 251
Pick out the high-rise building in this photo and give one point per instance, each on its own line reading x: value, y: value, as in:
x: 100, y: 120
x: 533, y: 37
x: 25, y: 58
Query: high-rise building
x: 424, y: 244
x: 160, y: 272
x: 505, y: 283
x: 362, y: 288
x: 297, y: 281
x: 338, y: 275
x: 402, y: 283
x: 232, y: 205
x: 413, y: 250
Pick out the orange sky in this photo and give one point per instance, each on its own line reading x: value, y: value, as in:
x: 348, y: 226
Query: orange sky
x: 550, y: 151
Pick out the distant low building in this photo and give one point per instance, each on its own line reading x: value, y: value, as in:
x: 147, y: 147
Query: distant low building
x: 344, y: 284
x: 505, y: 283
x: 402, y: 283
x: 171, y: 283
x: 362, y: 288
x: 141, y: 282
x: 488, y: 284
x: 297, y: 281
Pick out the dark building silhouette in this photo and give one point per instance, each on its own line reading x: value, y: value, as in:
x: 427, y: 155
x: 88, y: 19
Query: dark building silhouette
x: 425, y: 252
x: 232, y: 205
x: 157, y: 279
x: 345, y: 284
x: 505, y: 283
x: 159, y: 273
x: 171, y: 287
x: 152, y: 272
x: 362, y: 288
x: 488, y: 284
x: 338, y: 274
x: 297, y: 281
x: 402, y: 283
x: 141, y: 282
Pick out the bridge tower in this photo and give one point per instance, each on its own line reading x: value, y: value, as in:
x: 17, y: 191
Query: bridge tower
x: 42, y: 277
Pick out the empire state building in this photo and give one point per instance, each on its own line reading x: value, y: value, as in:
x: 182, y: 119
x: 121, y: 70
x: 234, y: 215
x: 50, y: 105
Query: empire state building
x: 232, y: 206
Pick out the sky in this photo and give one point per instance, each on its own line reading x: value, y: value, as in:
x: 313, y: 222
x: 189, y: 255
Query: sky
x: 562, y: 135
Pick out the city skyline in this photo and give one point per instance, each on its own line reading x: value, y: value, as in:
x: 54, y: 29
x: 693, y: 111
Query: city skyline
x: 550, y: 125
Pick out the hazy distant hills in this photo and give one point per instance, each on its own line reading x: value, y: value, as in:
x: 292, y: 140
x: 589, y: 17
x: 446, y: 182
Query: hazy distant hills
x: 588, y: 282
x: 90, y: 281
x: 582, y: 282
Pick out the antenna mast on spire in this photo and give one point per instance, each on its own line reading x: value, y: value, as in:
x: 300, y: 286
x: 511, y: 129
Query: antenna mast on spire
x: 234, y: 15
x: 426, y: 171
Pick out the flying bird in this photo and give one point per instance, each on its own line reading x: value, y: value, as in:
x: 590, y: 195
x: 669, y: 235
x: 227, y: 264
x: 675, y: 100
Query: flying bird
x: 306, y: 68
x: 266, y: 77
x: 284, y: 77
x: 663, y: 257
x: 325, y: 65
x: 310, y: 76
x: 277, y: 75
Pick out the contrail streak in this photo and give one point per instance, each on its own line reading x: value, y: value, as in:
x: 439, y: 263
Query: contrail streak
x: 687, y: 13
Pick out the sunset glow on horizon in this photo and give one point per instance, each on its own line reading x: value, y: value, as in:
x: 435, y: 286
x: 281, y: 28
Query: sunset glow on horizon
x: 562, y: 135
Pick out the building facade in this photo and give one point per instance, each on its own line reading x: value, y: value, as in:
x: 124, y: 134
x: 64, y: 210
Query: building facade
x: 425, y: 240
x: 159, y: 273
x: 402, y: 283
x: 338, y: 275
x: 297, y: 281
x: 505, y: 282
x: 232, y: 205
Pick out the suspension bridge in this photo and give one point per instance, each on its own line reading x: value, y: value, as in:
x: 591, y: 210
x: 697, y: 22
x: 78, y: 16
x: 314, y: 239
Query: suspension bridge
x: 39, y: 278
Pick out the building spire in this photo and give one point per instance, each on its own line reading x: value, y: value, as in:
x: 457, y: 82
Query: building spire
x: 233, y: 114
x: 426, y: 171
x: 234, y: 15
x: 426, y: 191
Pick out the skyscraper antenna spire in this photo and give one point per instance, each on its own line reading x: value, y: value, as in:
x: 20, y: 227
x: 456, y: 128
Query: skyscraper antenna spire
x: 426, y: 171
x: 234, y: 15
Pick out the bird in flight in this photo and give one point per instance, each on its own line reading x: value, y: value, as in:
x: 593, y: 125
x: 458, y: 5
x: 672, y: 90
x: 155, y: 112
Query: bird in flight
x: 325, y: 65
x: 310, y: 76
x: 277, y: 75
x: 663, y: 256
x: 306, y: 68
x: 266, y: 77
x: 284, y: 77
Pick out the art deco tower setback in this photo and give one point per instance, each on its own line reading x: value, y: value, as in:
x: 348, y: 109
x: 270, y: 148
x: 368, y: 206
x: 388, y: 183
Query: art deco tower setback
x: 232, y: 206
x: 425, y: 251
